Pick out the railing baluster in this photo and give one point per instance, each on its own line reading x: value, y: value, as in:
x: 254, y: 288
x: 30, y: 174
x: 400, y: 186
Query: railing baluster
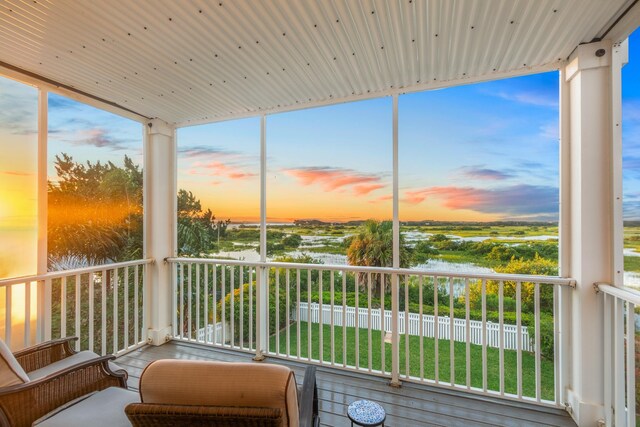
x: 383, y: 279
x: 63, y: 307
x: 538, y: 343
x: 47, y: 309
x: 115, y: 311
x: 206, y: 306
x: 556, y: 345
x: 608, y: 366
x: 452, y: 368
x: 309, y: 313
x: 223, y: 298
x: 103, y: 312
x: 198, y: 303
x: 91, y: 285
x: 77, y: 330
x: 421, y: 327
x: 277, y: 328
x: 618, y: 362
x: 320, y: 319
x: 182, y: 300
x: 136, y: 309
x: 288, y: 284
x: 436, y: 331
x: 519, y: 336
x: 251, y: 288
x: 406, y: 327
x: 299, y: 313
x: 214, y: 291
x: 332, y: 291
x: 189, y: 302
x: 241, y: 317
x: 27, y: 314
x: 126, y: 308
x: 631, y: 364
x: 357, y: 320
x: 344, y: 318
x: 501, y: 329
x: 484, y: 334
x: 369, y: 320
x: 232, y: 299
x: 467, y: 332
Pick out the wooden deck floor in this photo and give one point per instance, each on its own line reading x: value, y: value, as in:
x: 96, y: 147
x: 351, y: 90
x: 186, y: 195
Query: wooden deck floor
x: 411, y: 405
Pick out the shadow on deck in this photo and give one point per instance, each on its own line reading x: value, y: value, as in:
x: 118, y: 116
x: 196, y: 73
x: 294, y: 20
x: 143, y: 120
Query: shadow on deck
x: 410, y: 405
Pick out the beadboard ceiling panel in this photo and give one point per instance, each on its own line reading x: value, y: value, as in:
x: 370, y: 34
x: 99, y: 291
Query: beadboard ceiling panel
x: 193, y: 61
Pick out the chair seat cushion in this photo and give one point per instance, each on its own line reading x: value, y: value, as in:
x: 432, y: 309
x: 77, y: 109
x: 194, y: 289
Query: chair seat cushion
x: 65, y: 363
x: 102, y: 409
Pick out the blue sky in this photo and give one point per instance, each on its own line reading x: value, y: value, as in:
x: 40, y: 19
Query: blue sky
x: 631, y: 130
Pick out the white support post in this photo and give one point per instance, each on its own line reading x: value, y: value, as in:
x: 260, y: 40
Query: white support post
x: 395, y: 280
x: 43, y: 325
x: 160, y: 228
x: 588, y: 128
x: 262, y: 330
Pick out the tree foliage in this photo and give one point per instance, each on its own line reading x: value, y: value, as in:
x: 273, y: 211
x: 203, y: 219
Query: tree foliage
x: 95, y: 211
x: 372, y: 246
x: 95, y: 215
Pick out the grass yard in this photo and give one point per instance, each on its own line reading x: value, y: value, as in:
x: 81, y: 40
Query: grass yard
x: 376, y: 361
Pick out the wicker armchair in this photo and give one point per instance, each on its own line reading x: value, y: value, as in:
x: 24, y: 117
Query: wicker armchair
x: 203, y: 393
x: 23, y: 399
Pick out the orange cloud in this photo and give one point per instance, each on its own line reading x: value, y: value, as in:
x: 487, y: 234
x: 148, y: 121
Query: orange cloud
x: 332, y: 179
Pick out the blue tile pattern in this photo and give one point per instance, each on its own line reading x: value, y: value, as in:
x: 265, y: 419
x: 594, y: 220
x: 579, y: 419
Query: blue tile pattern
x: 366, y: 413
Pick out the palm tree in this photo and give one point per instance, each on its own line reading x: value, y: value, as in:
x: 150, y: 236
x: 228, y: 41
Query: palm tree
x: 372, y: 246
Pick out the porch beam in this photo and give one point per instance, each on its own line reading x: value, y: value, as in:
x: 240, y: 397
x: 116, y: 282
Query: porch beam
x: 588, y: 129
x: 160, y: 227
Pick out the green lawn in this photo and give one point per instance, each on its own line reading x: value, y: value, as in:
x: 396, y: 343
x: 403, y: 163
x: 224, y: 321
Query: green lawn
x: 493, y: 372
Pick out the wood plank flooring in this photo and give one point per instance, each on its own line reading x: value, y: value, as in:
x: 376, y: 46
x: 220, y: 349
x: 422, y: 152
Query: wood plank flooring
x: 411, y: 405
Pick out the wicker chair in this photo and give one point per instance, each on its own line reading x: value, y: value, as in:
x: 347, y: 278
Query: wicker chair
x: 205, y: 393
x: 39, y: 379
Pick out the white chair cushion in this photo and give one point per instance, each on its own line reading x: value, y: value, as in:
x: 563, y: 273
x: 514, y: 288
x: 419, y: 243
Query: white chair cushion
x: 102, y: 409
x: 11, y: 373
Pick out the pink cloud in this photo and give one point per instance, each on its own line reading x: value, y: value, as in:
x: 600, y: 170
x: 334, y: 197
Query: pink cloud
x: 332, y: 179
x: 521, y: 199
x: 364, y: 189
x: 220, y: 169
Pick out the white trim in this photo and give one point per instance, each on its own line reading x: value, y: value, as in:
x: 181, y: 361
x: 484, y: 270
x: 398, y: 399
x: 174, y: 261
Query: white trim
x: 33, y: 81
x: 619, y: 57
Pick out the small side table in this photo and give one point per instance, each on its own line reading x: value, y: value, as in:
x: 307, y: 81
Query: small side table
x: 366, y: 413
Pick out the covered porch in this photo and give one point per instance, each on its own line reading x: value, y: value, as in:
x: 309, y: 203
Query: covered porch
x: 553, y: 350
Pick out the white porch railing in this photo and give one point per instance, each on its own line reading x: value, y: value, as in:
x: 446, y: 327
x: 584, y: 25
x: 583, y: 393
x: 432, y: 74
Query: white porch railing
x: 102, y: 305
x: 266, y: 315
x: 619, y: 354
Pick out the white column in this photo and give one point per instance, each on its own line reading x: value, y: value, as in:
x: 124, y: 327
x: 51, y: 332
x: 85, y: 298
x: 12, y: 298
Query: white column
x: 588, y: 123
x: 160, y: 227
x: 262, y: 273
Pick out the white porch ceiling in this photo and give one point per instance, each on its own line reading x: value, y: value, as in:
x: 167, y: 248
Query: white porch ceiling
x: 196, y: 61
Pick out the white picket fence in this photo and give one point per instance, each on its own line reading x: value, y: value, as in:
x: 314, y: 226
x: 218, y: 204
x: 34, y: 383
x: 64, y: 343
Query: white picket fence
x: 428, y: 324
x: 207, y: 334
